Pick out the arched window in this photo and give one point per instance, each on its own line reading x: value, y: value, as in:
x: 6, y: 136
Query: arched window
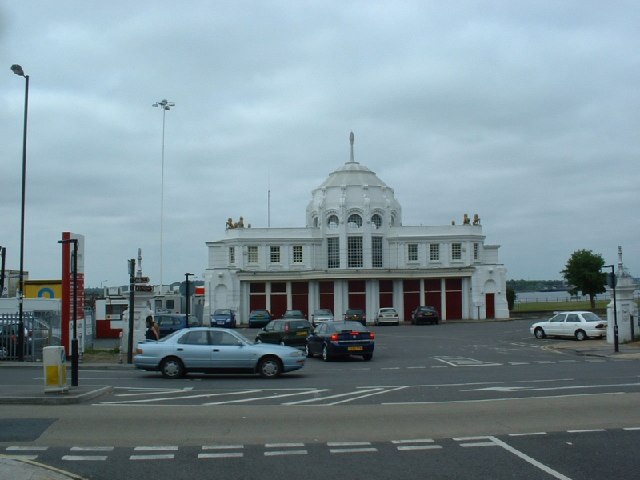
x: 354, y: 221
x: 376, y: 220
x: 332, y: 221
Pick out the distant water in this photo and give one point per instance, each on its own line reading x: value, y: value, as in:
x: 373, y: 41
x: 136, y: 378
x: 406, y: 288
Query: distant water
x: 557, y: 296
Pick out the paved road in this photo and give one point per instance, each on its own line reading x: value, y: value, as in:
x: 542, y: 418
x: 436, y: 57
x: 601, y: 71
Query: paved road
x: 463, y: 391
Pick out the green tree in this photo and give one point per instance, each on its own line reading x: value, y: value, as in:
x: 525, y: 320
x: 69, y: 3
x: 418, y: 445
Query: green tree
x: 583, y: 273
x: 511, y: 297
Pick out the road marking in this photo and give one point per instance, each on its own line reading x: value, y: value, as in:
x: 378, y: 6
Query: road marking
x: 526, y: 434
x: 85, y: 458
x: 587, y: 431
x: 92, y: 449
x: 26, y: 449
x: 352, y: 447
x: 155, y: 448
x: 529, y: 459
x: 220, y: 455
x: 253, y: 399
x: 465, y: 362
x: 631, y: 428
x: 168, y: 456
x: 275, y: 453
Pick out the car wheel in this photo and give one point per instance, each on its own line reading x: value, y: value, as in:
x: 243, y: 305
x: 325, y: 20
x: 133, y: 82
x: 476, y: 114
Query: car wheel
x: 307, y: 350
x: 581, y: 335
x: 367, y: 357
x: 269, y: 367
x: 172, y: 368
x: 539, y: 333
x: 258, y: 340
x: 325, y: 354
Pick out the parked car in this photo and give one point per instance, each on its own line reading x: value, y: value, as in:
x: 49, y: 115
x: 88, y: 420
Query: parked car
x: 215, y: 350
x: 425, y: 314
x: 292, y: 332
x: 259, y: 318
x: 294, y: 314
x: 321, y: 315
x: 578, y: 324
x: 172, y: 322
x: 355, y: 315
x: 341, y: 339
x: 223, y: 317
x: 387, y: 315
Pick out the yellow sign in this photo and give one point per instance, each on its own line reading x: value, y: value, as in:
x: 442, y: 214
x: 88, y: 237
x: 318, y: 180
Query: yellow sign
x: 43, y: 289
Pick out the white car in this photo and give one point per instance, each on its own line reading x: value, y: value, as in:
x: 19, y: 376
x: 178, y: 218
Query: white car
x: 321, y: 315
x: 577, y: 324
x: 387, y: 315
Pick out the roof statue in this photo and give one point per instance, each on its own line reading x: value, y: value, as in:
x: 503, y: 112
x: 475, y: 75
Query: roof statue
x: 231, y: 224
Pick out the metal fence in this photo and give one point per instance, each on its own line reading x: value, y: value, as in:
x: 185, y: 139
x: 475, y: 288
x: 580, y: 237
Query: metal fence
x: 41, y: 329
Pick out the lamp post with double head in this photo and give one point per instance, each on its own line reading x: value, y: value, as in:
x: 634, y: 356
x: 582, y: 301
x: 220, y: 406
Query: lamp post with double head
x: 17, y: 69
x: 164, y: 105
x: 612, y: 281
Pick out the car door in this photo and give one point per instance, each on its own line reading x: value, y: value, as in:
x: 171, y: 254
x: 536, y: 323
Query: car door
x: 315, y: 340
x: 194, y: 349
x: 555, y: 326
x: 229, y: 353
x: 571, y: 324
x: 271, y: 332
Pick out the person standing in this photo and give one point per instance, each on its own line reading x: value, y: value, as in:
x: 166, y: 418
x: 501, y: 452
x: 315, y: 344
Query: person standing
x: 153, y: 331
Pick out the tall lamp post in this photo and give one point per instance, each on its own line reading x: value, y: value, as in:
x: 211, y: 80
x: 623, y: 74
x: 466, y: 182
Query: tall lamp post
x: 164, y: 105
x: 17, y: 69
x: 612, y: 283
x: 74, y: 340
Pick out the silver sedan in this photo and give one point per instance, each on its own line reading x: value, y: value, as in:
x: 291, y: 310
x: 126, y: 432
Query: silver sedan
x: 215, y: 350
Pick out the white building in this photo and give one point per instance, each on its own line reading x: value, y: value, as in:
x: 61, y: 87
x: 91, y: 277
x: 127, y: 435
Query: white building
x: 354, y: 252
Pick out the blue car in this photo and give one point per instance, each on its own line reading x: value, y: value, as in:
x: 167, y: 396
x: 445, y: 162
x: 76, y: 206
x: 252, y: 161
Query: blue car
x: 215, y: 350
x: 223, y: 317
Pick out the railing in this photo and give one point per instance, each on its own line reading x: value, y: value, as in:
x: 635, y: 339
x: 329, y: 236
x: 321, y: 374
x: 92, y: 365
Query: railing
x: 41, y: 329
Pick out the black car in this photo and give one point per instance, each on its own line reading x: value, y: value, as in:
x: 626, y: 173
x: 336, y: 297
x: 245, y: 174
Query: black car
x: 172, y: 322
x: 341, y: 339
x: 259, y: 318
x: 425, y: 314
x: 292, y: 332
x: 355, y: 315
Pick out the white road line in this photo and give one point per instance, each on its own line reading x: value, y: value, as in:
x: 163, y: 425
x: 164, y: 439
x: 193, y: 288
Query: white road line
x: 276, y: 453
x: 220, y: 455
x: 587, y: 431
x: 23, y: 457
x: 222, y: 447
x: 253, y: 399
x: 352, y: 450
x: 92, y: 449
x: 631, y: 428
x: 25, y: 449
x: 85, y: 458
x: 347, y: 444
x: 529, y: 460
x: 283, y: 445
x: 168, y: 456
x: 156, y: 448
x: 405, y: 448
x: 416, y: 440
x: 526, y: 434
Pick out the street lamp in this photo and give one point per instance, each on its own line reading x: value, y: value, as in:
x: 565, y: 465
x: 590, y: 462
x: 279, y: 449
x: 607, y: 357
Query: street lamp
x: 612, y: 283
x: 74, y: 340
x: 164, y: 105
x: 17, y: 69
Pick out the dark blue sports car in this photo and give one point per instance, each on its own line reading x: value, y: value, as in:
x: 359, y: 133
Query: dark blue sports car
x: 223, y: 317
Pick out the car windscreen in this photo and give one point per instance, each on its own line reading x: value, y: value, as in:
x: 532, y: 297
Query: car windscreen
x: 352, y: 326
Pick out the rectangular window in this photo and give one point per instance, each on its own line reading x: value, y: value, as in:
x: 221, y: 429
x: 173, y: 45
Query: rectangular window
x: 354, y: 252
x: 252, y: 254
x: 434, y: 252
x: 456, y: 251
x: 412, y: 252
x: 376, y: 252
x: 476, y: 251
x: 274, y: 254
x: 232, y: 254
x: 297, y: 254
x: 333, y: 252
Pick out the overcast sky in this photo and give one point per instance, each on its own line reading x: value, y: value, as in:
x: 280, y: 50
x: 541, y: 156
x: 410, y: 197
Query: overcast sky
x: 526, y: 113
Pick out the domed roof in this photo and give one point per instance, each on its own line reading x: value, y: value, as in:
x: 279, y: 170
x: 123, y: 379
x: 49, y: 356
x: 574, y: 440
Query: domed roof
x: 353, y: 187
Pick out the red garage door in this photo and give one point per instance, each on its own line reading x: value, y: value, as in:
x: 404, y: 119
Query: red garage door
x: 432, y: 294
x: 326, y: 295
x: 300, y: 297
x: 385, y: 297
x: 411, y: 294
x: 278, y: 299
x: 357, y: 294
x: 454, y: 298
x: 257, y: 296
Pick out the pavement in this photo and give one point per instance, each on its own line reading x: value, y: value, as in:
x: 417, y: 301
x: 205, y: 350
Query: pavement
x: 33, y: 393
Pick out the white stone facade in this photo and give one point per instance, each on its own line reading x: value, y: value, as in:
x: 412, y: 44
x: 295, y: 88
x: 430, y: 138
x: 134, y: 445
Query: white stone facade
x: 355, y: 253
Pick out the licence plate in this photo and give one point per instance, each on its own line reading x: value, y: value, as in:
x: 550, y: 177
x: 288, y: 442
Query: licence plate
x: 301, y: 334
x: 354, y: 349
